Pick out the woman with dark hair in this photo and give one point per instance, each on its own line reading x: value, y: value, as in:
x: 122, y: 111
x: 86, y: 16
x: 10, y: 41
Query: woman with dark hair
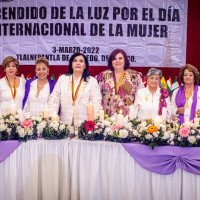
x: 11, y: 86
x: 185, y: 101
x: 37, y: 91
x: 74, y: 90
x: 118, y: 84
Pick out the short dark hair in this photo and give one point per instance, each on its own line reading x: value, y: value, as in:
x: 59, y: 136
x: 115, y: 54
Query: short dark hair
x: 112, y: 57
x: 8, y: 60
x: 192, y: 69
x: 86, y: 70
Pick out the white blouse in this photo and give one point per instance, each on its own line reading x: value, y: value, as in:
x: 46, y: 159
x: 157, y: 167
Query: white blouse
x: 146, y: 105
x: 6, y: 96
x: 36, y: 104
x: 62, y: 96
x: 187, y: 110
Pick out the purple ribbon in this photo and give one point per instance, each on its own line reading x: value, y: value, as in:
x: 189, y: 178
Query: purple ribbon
x: 162, y: 102
x: 180, y: 102
x: 165, y: 159
x: 7, y: 147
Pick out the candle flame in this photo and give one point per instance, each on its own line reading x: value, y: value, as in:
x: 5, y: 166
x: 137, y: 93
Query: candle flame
x: 101, y: 107
x: 120, y: 111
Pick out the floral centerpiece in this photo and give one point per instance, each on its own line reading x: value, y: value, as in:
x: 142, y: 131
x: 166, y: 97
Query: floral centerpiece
x: 117, y: 133
x: 91, y: 130
x: 50, y: 129
x: 147, y: 133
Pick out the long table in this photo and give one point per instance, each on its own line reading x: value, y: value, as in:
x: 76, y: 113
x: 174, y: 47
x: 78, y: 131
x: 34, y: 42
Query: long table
x: 77, y: 169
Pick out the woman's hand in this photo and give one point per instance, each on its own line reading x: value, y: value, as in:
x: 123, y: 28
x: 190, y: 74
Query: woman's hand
x: 180, y: 111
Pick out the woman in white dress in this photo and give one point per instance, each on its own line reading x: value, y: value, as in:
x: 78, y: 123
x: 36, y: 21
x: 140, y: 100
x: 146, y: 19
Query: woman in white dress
x: 37, y: 91
x: 11, y: 86
x: 186, y: 99
x: 150, y: 101
x: 74, y: 90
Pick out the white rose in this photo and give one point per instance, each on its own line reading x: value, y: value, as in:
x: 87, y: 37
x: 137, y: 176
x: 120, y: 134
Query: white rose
x: 9, y: 130
x: 107, y: 131
x: 39, y: 119
x: 123, y: 133
x: 192, y: 139
x: 89, y: 132
x: 54, y: 125
x: 179, y: 138
x: 135, y: 132
x: 163, y: 127
x: 198, y: 136
x: 29, y: 131
x: 172, y: 143
x: 106, y: 123
x: 166, y: 135
x: 193, y: 131
x: 3, y: 127
x: 62, y: 127
x: 148, y: 136
x: 171, y: 136
x: 21, y: 132
x: 155, y: 134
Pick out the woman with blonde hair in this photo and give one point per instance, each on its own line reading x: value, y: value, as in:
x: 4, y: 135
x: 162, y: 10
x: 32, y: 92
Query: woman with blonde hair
x: 37, y: 91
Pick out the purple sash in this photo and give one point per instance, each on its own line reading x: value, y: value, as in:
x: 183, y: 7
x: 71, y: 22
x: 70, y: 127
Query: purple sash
x: 180, y: 102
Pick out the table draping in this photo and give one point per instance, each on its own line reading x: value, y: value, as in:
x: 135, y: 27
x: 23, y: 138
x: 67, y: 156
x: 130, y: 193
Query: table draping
x: 165, y: 159
x: 7, y: 147
x: 79, y: 169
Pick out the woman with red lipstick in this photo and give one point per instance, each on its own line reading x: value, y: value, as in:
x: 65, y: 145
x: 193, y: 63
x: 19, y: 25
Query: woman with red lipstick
x: 37, y: 91
x: 118, y: 84
x: 185, y: 101
x: 11, y: 86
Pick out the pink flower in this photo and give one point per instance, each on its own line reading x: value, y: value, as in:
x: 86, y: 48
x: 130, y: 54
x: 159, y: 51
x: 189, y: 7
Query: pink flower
x: 184, y: 132
x: 27, y: 123
x: 116, y: 127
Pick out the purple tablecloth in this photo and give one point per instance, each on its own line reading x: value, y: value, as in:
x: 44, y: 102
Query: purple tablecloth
x: 6, y: 148
x: 165, y: 159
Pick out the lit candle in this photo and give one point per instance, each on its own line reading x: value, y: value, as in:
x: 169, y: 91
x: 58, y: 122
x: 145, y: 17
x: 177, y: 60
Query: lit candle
x: 196, y: 120
x: 157, y: 122
x: 90, y: 112
x: 55, y: 117
x: 13, y: 108
x: 164, y: 113
x: 46, y: 112
x: 120, y: 119
x: 131, y: 112
x: 101, y: 114
x: 187, y: 123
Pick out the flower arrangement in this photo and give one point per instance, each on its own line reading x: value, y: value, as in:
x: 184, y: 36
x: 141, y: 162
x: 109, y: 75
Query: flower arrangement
x: 147, y: 133
x: 15, y: 127
x: 91, y: 130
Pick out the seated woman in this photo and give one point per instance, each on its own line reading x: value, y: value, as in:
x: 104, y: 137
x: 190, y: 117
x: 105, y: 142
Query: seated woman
x: 149, y: 101
x: 186, y: 99
x: 74, y: 90
x: 37, y: 91
x: 11, y: 86
x: 118, y: 84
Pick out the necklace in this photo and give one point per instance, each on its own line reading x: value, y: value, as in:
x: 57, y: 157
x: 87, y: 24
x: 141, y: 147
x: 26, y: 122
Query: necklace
x: 117, y: 85
x: 14, y: 93
x: 187, y: 97
x: 74, y: 97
